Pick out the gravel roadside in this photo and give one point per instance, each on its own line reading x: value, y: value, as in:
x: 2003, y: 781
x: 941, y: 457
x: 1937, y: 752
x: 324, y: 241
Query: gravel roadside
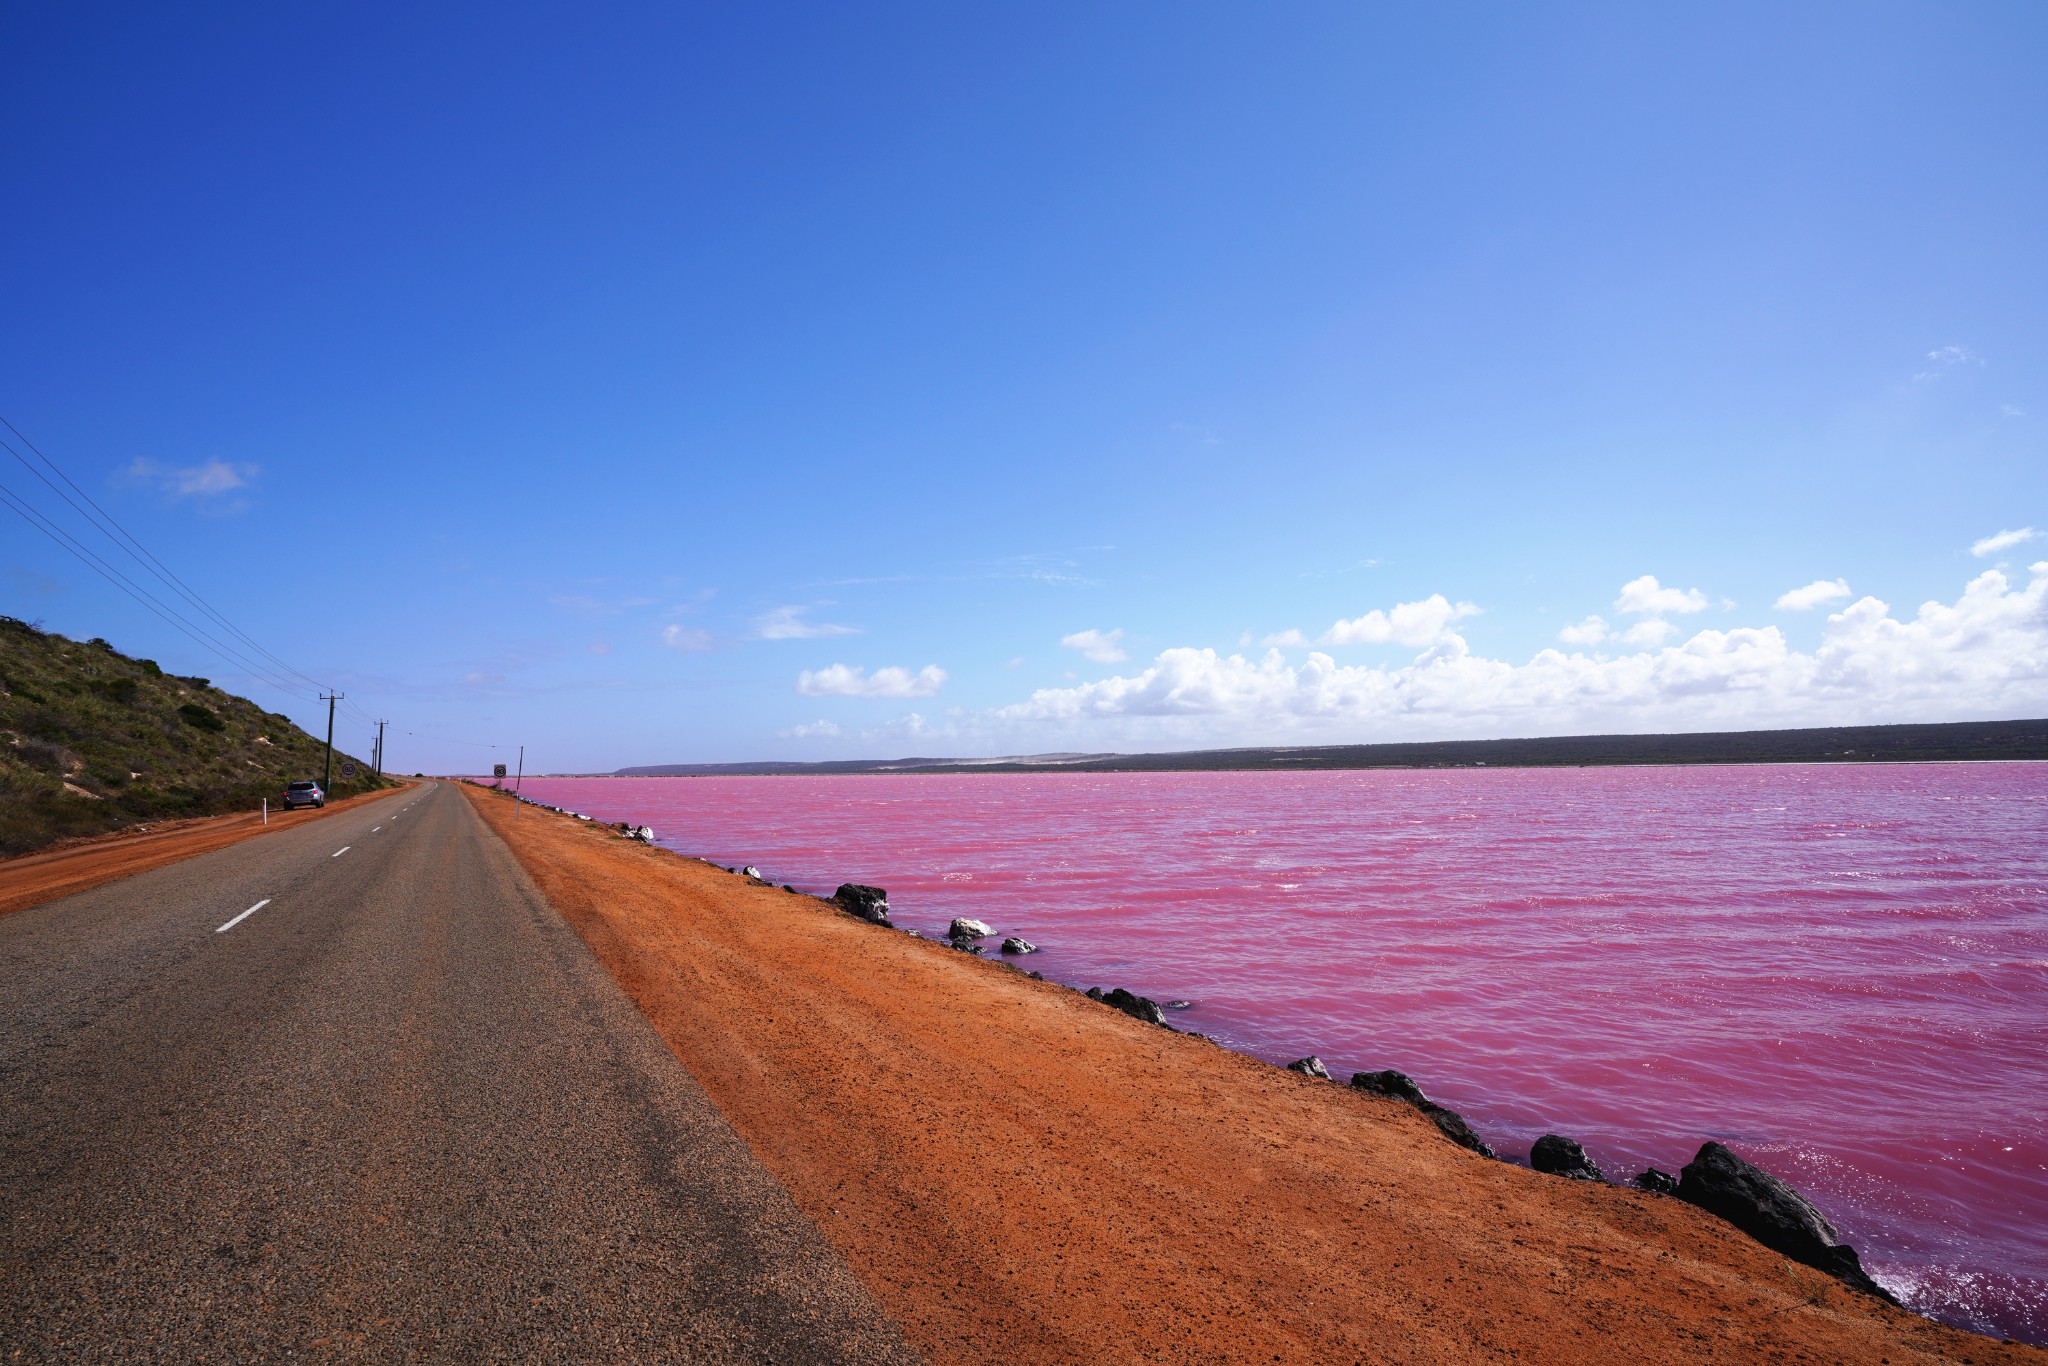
x: 1022, y: 1175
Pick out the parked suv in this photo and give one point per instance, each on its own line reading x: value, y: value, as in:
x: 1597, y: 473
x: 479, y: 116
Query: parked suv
x: 303, y: 794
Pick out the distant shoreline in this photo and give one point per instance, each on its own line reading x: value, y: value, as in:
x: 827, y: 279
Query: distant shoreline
x: 1945, y: 742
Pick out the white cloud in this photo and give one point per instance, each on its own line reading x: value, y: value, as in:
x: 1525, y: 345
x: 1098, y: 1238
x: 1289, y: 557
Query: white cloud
x: 813, y: 730
x: 1288, y: 637
x: 1649, y: 631
x: 787, y: 623
x: 1409, y: 623
x: 1813, y: 595
x: 846, y: 680
x: 1104, y: 647
x: 1646, y: 595
x: 2004, y: 540
x: 1591, y: 631
x: 1947, y: 358
x: 215, y: 476
x: 207, y: 479
x: 1985, y: 655
x: 2012, y: 410
x: 687, y: 638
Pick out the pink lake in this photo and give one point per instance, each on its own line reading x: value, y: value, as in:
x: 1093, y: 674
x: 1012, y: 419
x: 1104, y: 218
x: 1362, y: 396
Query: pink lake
x: 1841, y: 972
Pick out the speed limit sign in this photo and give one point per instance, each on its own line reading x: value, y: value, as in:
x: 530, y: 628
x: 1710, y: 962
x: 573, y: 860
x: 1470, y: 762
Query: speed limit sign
x: 348, y: 770
x: 497, y: 770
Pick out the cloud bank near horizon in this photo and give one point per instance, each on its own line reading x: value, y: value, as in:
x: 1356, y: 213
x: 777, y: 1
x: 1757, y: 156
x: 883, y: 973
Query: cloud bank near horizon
x: 1985, y: 654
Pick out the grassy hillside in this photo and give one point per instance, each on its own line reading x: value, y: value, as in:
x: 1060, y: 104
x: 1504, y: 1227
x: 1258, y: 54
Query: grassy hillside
x: 91, y: 740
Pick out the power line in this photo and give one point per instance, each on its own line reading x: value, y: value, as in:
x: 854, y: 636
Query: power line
x: 93, y: 561
x: 108, y: 526
x: 281, y: 676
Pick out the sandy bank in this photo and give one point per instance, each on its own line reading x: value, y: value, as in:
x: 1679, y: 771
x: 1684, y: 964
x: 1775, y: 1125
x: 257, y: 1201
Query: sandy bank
x: 35, y: 878
x: 1022, y: 1175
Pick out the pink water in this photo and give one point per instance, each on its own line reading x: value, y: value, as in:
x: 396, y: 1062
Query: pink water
x: 1842, y: 972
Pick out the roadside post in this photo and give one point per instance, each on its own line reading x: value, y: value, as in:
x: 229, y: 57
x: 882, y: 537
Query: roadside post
x: 327, y: 775
x: 266, y: 810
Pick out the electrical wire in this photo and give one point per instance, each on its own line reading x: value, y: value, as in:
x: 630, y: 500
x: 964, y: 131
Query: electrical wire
x: 86, y: 556
x: 100, y: 518
x: 278, y: 674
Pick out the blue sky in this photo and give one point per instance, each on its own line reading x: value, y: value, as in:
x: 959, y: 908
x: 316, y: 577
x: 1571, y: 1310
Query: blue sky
x: 705, y: 382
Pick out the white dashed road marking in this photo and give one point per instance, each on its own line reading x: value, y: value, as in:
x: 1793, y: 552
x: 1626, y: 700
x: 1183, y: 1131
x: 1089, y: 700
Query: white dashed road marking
x: 343, y: 850
x: 244, y: 915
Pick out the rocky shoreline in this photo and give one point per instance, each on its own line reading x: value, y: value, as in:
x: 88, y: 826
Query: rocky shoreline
x: 1716, y: 1180
x: 1025, y: 1178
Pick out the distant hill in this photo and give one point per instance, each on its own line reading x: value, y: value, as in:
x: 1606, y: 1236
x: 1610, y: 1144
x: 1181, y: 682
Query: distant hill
x: 1945, y: 742
x: 91, y: 740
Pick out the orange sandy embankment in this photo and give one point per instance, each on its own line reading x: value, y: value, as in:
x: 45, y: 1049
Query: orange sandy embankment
x: 1022, y: 1175
x: 82, y: 865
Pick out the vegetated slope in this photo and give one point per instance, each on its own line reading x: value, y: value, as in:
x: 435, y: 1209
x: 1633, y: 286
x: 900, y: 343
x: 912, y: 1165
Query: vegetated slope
x: 91, y: 740
x: 1938, y: 742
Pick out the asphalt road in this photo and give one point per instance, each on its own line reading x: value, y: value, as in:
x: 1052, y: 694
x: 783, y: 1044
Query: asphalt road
x: 398, y: 1112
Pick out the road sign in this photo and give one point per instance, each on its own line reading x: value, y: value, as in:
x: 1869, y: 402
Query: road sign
x: 497, y: 770
x: 348, y: 770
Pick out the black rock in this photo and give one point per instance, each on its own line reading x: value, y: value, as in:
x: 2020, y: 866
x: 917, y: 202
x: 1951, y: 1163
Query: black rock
x: 1015, y: 945
x: 1310, y: 1066
x: 1136, y: 1006
x: 1036, y: 976
x: 964, y: 945
x: 1452, y: 1125
x: 1656, y: 1182
x: 1773, y: 1213
x: 1560, y: 1156
x: 1391, y: 1084
x: 869, y: 903
x: 1449, y: 1123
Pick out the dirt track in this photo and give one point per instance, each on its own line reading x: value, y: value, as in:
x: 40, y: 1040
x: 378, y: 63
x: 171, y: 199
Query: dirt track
x: 1022, y: 1175
x: 35, y: 878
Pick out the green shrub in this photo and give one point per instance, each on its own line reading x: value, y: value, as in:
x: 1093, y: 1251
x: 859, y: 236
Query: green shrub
x: 96, y: 715
x: 200, y: 717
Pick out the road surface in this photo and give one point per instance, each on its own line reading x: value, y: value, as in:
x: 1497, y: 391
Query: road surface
x: 355, y: 1091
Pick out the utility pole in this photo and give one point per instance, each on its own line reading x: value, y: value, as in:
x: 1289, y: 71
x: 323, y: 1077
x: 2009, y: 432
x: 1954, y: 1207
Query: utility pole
x: 380, y: 747
x: 520, y: 783
x: 327, y: 776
